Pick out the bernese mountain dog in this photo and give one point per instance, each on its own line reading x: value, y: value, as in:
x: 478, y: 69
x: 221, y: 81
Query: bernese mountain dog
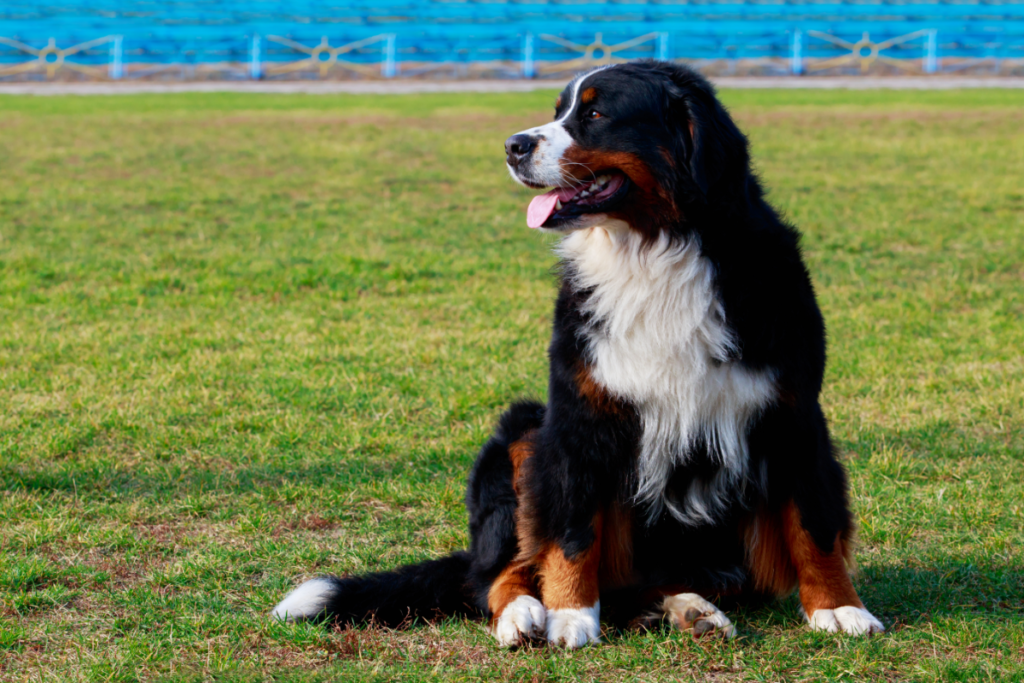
x: 682, y: 458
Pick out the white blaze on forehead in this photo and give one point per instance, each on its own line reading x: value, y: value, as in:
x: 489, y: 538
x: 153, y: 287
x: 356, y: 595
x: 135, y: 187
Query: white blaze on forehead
x: 553, y: 140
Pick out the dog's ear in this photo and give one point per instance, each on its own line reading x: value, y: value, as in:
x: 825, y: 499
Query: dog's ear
x: 711, y: 144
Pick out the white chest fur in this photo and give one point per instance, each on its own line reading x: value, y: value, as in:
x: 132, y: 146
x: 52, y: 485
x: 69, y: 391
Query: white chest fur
x: 659, y: 340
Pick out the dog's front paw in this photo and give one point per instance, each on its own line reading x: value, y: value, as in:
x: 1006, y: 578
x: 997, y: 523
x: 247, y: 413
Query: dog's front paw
x: 522, y: 620
x: 690, y: 612
x: 573, y: 628
x: 849, y: 619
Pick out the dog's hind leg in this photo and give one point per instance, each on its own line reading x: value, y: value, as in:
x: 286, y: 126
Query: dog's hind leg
x: 674, y: 606
x: 505, y: 588
x: 690, y: 612
x: 516, y: 614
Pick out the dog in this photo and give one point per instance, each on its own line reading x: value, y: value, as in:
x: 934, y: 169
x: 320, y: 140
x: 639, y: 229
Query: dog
x: 682, y: 457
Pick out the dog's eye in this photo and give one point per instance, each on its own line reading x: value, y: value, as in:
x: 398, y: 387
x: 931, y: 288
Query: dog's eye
x: 594, y: 114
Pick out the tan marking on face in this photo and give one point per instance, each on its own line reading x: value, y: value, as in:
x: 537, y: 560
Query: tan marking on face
x: 558, y: 102
x: 581, y: 164
x: 588, y: 95
x: 649, y: 208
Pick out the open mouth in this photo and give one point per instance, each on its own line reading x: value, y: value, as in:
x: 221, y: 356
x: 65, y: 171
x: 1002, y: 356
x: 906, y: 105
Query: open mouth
x: 559, y: 206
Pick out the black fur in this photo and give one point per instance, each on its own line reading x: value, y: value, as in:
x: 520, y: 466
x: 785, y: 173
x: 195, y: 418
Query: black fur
x: 492, y: 503
x: 430, y: 589
x: 584, y: 459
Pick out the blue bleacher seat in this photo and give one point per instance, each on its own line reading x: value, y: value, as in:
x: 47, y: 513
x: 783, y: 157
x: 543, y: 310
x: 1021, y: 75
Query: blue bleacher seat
x: 431, y: 32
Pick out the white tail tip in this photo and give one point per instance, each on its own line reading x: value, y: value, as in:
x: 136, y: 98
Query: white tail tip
x: 306, y: 601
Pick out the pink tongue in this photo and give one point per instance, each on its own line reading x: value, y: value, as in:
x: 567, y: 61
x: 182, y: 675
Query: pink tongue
x: 542, y: 206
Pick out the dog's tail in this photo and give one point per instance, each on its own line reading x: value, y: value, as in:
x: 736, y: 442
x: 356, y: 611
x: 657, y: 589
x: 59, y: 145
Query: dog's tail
x: 453, y: 585
x: 428, y: 589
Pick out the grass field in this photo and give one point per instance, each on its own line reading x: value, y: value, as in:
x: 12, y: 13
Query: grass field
x: 250, y: 338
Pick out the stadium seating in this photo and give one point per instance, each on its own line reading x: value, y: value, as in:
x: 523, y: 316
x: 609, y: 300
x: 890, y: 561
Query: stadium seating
x: 533, y: 38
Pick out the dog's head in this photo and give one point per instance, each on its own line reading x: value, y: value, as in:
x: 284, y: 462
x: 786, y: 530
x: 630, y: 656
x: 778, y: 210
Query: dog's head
x: 641, y: 142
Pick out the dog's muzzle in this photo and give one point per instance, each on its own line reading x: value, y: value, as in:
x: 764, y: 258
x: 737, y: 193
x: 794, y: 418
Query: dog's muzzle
x: 518, y: 149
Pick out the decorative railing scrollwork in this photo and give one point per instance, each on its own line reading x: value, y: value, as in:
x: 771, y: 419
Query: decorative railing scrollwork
x: 323, y: 57
x: 866, y: 52
x: 595, y: 53
x: 51, y: 59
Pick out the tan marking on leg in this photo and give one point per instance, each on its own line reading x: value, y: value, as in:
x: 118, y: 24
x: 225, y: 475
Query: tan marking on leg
x: 768, y: 556
x: 571, y: 583
x: 527, y: 526
x: 514, y: 581
x: 517, y: 615
x: 824, y: 579
x: 518, y: 452
x: 616, y: 565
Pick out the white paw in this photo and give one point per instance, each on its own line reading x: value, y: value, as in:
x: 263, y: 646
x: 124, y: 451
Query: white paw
x: 521, y: 620
x: 574, y: 628
x: 690, y: 611
x: 853, y: 620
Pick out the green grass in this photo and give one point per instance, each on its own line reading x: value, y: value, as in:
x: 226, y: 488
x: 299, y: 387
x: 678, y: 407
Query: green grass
x: 249, y: 338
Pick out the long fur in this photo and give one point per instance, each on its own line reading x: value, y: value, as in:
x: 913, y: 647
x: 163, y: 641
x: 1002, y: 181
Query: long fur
x: 682, y: 432
x: 426, y: 590
x: 657, y: 338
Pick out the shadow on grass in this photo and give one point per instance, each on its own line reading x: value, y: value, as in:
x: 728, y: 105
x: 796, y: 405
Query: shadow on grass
x: 104, y: 474
x: 902, y: 596
x: 944, y: 586
x: 936, y: 584
x: 106, y: 480
x: 939, y: 439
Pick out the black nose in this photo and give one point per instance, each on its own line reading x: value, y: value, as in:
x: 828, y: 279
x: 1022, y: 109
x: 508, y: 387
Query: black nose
x: 518, y: 147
